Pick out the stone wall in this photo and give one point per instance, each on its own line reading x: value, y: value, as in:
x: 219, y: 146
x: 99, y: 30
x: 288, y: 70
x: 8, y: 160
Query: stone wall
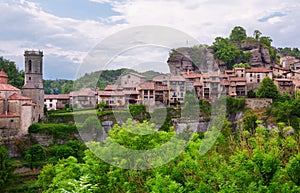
x: 258, y: 103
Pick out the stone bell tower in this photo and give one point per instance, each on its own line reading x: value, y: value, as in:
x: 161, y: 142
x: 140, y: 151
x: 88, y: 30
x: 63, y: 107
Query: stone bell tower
x: 33, y: 83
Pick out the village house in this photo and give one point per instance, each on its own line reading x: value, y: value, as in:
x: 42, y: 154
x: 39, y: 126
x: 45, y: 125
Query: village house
x: 85, y: 98
x: 57, y: 101
x: 284, y: 85
x: 254, y: 76
x: 280, y: 72
x: 131, y: 79
x: 290, y: 62
x: 112, y: 99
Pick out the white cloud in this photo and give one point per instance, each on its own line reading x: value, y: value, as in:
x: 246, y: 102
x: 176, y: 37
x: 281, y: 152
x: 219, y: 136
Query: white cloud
x: 25, y: 25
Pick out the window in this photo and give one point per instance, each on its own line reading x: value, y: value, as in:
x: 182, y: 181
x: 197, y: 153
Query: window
x: 29, y: 78
x: 258, y: 80
x: 29, y: 65
x: 128, y: 76
x: 242, y: 75
x: 251, y: 75
x: 11, y: 120
x: 50, y: 105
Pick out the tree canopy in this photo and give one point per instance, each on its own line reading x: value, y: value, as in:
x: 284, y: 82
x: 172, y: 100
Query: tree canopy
x: 238, y: 34
x: 15, y: 77
x: 268, y: 89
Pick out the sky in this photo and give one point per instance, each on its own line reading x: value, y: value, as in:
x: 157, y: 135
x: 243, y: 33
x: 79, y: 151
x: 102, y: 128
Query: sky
x: 68, y: 31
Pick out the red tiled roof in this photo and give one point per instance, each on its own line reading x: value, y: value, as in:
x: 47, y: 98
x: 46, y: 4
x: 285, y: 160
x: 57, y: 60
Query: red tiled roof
x: 223, y: 76
x: 191, y: 75
x: 257, y: 70
x: 130, y: 92
x: 110, y: 93
x: 3, y: 74
x: 8, y: 87
x: 9, y: 115
x: 1, y: 99
x: 229, y: 71
x: 57, y: 96
x: 113, y: 87
x: 225, y: 82
x: 29, y: 104
x: 283, y: 80
x: 157, y: 87
x: 177, y: 78
x: 18, y: 97
x: 296, y: 82
x: 237, y: 79
x: 146, y: 86
x: 281, y: 68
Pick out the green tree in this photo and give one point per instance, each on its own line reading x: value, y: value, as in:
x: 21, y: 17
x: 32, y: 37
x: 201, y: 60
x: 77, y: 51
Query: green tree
x: 265, y: 40
x: 6, y: 169
x: 257, y: 34
x: 15, y: 77
x: 242, y: 65
x: 268, y: 89
x: 238, y: 34
x: 226, y: 51
x: 251, y: 94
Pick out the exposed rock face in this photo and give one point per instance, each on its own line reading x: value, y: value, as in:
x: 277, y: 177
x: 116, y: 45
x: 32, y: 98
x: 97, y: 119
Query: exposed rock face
x: 203, y: 59
x: 255, y: 58
x: 187, y: 60
x: 250, y: 45
x: 265, y: 55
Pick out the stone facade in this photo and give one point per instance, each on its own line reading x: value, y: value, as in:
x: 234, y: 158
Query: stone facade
x: 131, y: 78
x: 258, y: 103
x: 33, y: 87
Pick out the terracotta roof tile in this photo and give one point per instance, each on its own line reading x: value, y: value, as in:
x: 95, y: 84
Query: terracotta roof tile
x: 191, y: 75
x: 130, y: 92
x: 18, y: 97
x: 29, y: 104
x: 257, y: 70
x: 237, y: 79
x: 113, y: 87
x: 8, y: 87
x: 3, y: 74
x: 177, y: 78
x: 57, y: 96
x: 110, y: 93
x: 9, y: 115
x: 161, y: 88
x: 146, y: 86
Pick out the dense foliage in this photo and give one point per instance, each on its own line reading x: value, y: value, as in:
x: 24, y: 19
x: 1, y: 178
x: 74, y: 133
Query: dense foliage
x: 255, y: 161
x: 6, y: 169
x: 289, y: 52
x: 267, y: 89
x: 15, y: 77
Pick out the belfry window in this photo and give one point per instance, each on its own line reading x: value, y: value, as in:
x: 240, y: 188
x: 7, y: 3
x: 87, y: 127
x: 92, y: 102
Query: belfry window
x: 29, y: 65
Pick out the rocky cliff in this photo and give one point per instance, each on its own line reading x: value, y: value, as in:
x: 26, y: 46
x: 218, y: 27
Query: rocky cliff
x: 202, y: 58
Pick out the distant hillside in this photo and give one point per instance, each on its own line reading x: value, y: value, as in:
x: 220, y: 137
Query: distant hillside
x: 102, y: 78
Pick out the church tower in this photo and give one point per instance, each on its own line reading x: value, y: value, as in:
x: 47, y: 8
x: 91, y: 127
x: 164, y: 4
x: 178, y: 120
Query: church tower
x: 33, y: 83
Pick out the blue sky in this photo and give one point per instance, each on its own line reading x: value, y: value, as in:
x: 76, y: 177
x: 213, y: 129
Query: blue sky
x: 78, y: 9
x: 68, y: 30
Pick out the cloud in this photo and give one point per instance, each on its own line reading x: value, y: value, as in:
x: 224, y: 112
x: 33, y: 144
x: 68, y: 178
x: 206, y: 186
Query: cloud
x: 26, y: 25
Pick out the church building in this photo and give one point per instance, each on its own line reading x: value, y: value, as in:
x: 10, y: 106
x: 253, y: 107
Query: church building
x: 20, y: 108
